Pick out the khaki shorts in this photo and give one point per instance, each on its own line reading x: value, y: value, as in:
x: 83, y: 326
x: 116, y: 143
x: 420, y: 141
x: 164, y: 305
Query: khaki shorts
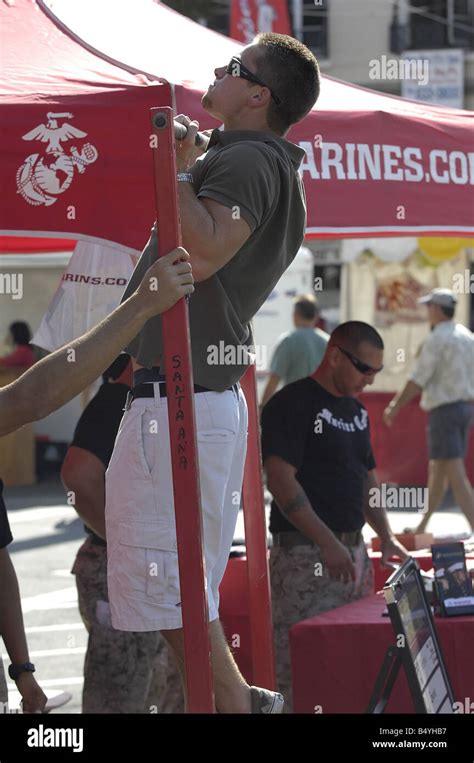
x: 143, y: 575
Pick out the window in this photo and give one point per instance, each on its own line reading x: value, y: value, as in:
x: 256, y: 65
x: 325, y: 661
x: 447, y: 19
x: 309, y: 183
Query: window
x: 315, y: 27
x: 214, y: 14
x: 315, y: 22
x: 219, y: 20
x: 461, y: 24
x: 442, y: 24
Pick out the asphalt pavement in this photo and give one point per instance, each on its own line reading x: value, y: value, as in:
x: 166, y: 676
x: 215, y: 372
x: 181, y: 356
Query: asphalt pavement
x: 47, y: 533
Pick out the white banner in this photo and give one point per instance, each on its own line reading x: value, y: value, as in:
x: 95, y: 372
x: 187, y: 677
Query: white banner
x: 90, y: 288
x: 443, y: 81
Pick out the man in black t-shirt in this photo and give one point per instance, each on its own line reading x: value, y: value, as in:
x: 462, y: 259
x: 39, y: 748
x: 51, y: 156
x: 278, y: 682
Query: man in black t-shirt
x: 320, y: 466
x: 124, y: 672
x: 12, y: 629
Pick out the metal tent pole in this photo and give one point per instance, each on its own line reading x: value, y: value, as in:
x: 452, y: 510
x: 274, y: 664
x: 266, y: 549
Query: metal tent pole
x: 256, y: 545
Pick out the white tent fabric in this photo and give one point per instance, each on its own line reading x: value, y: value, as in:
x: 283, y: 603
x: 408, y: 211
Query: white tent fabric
x: 90, y: 289
x: 386, y: 249
x: 144, y: 38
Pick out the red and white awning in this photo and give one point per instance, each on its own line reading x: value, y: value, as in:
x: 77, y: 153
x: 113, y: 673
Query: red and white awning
x: 79, y: 78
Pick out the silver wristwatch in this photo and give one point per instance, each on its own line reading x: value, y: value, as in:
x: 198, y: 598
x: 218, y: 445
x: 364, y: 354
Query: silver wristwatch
x: 185, y: 177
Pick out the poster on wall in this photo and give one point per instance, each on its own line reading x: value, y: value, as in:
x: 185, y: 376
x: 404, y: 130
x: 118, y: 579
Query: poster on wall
x: 439, y: 76
x: 396, y: 300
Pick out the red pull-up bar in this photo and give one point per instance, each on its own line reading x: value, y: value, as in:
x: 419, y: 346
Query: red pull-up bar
x: 184, y: 458
x: 182, y: 428
x: 260, y: 610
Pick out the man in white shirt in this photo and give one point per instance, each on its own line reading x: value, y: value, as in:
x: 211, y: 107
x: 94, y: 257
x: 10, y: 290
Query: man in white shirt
x: 444, y: 374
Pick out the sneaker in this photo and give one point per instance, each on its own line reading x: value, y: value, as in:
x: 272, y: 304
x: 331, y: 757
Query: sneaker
x: 266, y: 701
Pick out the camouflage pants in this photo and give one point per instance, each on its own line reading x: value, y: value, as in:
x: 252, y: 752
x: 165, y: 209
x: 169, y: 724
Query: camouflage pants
x: 124, y: 672
x: 299, y: 593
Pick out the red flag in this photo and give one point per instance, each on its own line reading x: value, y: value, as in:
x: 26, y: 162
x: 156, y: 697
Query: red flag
x: 248, y: 17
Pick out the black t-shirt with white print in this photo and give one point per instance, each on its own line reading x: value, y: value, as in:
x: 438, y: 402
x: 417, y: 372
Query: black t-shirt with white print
x: 327, y: 439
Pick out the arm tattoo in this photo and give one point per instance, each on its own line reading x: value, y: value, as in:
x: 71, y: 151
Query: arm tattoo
x: 294, y: 505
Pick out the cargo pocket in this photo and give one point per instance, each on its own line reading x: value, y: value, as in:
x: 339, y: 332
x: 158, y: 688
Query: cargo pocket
x: 146, y: 434
x: 221, y: 423
x: 157, y: 541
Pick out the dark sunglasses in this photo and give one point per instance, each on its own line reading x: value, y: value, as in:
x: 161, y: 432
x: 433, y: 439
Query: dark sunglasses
x: 363, y: 368
x: 236, y: 68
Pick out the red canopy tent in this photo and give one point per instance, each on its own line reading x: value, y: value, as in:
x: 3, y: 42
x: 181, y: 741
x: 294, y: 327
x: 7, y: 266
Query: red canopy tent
x: 28, y: 245
x: 74, y: 109
x: 76, y: 153
x: 74, y: 163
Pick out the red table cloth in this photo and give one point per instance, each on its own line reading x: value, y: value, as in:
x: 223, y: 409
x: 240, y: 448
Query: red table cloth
x: 336, y: 658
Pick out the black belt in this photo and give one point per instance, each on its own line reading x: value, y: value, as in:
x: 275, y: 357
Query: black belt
x: 146, y: 390
x: 96, y: 541
x: 290, y: 538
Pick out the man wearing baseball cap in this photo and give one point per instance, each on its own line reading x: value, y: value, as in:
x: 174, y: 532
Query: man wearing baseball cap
x: 444, y: 374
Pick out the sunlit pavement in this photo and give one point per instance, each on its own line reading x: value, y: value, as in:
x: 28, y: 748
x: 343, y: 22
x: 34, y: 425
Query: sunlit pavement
x: 47, y: 534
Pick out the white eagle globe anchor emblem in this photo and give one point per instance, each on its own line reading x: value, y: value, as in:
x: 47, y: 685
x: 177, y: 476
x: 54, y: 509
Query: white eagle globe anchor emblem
x: 41, y: 179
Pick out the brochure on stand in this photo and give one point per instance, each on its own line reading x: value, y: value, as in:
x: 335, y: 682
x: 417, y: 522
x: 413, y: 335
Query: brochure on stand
x: 453, y: 584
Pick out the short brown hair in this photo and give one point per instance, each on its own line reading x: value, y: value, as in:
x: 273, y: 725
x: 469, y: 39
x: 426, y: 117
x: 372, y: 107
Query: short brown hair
x: 292, y: 72
x: 306, y: 306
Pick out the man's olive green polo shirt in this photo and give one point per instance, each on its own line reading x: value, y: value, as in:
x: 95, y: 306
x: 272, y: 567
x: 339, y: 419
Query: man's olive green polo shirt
x: 256, y: 175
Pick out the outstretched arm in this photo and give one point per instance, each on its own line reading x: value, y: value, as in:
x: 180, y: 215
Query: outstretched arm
x: 62, y: 375
x: 408, y: 393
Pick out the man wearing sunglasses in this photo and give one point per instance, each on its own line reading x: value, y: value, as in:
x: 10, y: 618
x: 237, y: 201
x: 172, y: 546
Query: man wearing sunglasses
x: 243, y: 216
x: 320, y: 466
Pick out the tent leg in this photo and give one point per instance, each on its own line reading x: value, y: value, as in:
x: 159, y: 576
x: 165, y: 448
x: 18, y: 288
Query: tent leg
x: 256, y: 544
